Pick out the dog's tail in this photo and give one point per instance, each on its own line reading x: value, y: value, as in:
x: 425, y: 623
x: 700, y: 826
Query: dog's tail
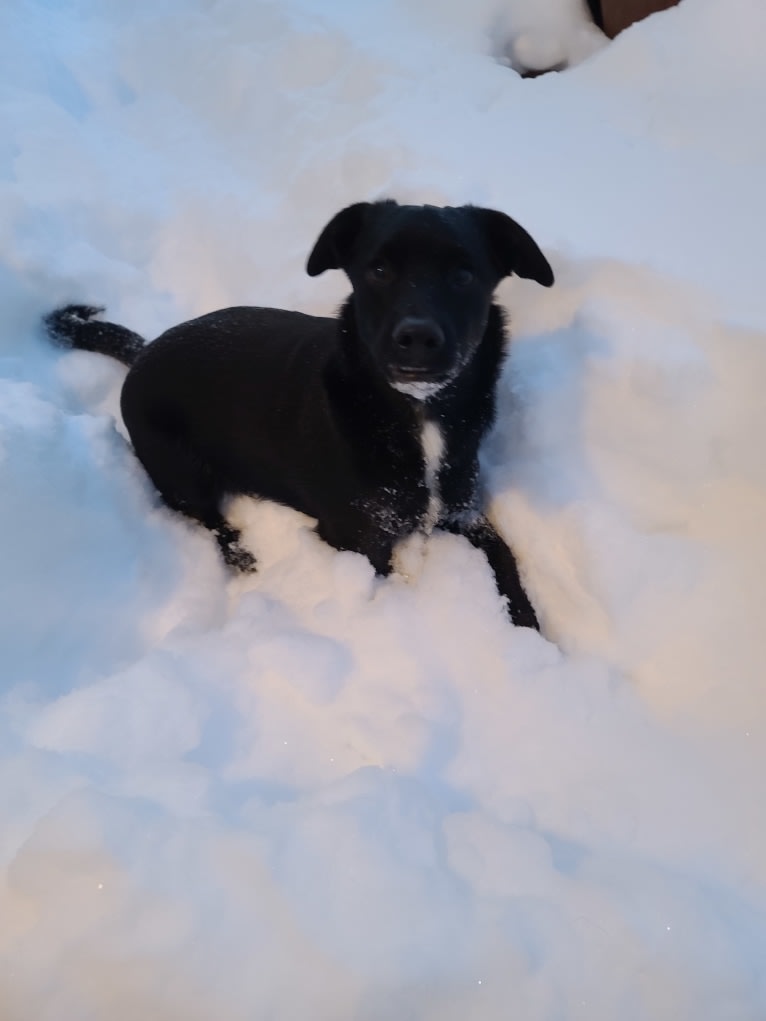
x: 73, y: 326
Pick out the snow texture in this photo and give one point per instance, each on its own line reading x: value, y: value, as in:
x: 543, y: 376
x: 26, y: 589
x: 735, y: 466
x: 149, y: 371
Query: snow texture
x: 312, y: 793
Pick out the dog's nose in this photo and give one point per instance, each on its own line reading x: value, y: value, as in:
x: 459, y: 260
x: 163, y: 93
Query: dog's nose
x: 417, y: 340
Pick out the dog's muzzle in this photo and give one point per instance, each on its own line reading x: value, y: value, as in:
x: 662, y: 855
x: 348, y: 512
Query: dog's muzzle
x: 418, y: 352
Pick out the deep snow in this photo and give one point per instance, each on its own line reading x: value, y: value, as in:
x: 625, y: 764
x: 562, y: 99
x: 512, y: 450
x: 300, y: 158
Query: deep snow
x: 311, y: 793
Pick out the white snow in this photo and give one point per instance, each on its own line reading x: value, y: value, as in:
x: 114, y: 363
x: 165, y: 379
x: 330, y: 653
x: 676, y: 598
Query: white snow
x: 312, y: 793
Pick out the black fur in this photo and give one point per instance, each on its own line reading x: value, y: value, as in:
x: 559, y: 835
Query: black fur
x: 327, y: 415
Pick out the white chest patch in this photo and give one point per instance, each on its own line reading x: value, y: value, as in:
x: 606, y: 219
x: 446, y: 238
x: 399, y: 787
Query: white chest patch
x: 432, y: 442
x: 408, y: 553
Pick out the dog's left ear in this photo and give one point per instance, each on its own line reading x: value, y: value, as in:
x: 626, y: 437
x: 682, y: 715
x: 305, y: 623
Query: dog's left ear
x: 511, y: 249
x: 335, y: 244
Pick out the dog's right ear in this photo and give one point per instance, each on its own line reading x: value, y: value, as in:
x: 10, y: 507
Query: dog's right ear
x: 513, y: 250
x: 335, y: 244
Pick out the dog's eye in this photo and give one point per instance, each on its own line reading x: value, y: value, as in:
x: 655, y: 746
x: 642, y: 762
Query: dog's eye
x: 380, y: 273
x: 461, y: 276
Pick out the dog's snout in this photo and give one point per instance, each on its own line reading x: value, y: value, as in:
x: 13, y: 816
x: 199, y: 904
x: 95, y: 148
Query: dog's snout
x: 418, y: 338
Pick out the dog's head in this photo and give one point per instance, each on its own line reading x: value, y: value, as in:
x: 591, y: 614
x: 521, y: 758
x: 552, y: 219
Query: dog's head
x: 423, y: 279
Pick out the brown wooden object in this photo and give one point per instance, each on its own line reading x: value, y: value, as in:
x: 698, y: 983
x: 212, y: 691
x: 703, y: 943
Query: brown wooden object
x: 618, y: 14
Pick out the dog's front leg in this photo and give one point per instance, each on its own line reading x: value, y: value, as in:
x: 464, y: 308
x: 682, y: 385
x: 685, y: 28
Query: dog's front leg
x: 482, y: 534
x: 360, y: 536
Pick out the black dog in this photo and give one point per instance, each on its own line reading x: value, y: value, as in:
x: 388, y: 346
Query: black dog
x: 370, y: 423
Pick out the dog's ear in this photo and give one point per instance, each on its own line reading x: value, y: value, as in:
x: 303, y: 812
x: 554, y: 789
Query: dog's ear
x: 335, y: 244
x: 511, y: 249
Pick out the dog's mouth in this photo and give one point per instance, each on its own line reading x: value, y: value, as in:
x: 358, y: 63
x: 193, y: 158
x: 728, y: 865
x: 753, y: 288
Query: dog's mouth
x: 416, y: 382
x: 412, y: 374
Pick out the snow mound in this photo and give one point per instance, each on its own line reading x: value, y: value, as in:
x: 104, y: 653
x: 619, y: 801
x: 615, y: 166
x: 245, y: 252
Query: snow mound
x: 317, y: 793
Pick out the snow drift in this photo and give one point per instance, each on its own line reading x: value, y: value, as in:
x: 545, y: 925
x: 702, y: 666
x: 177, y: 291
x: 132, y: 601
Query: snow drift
x: 314, y: 793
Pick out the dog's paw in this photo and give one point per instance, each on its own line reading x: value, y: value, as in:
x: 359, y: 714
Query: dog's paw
x: 240, y: 559
x: 233, y: 552
x: 520, y: 611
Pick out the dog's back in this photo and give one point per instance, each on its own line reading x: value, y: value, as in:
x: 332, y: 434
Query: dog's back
x: 241, y: 387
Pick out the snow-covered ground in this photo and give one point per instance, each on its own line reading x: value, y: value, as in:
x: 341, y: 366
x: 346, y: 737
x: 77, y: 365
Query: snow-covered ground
x: 312, y: 794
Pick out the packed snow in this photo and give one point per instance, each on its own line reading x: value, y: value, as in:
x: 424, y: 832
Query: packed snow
x: 313, y: 793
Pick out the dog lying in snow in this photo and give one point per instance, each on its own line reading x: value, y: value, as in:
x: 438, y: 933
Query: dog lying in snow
x: 371, y: 422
